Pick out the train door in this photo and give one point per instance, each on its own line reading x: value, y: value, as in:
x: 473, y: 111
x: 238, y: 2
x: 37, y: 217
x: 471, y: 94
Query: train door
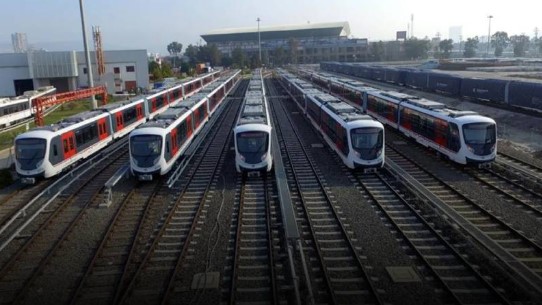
x: 139, y: 111
x: 68, y: 144
x: 174, y: 142
x: 120, y: 121
x: 189, y: 127
x: 102, y: 129
x: 197, y: 120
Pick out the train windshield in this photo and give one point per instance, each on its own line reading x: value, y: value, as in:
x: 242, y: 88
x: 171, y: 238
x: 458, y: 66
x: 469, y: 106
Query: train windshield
x: 29, y: 152
x: 480, y: 137
x: 252, y: 145
x: 145, y: 149
x: 367, y: 142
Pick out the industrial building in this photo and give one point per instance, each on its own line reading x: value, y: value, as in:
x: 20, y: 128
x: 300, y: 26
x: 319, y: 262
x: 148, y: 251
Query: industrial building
x: 307, y: 43
x: 125, y: 70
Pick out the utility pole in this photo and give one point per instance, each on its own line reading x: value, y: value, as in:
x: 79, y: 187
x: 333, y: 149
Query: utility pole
x: 488, y: 34
x: 87, y: 54
x: 259, y: 41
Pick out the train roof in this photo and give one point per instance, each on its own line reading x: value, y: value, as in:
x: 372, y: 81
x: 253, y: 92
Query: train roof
x: 254, y: 112
x: 113, y: 106
x: 166, y: 118
x: 71, y: 120
x: 435, y: 107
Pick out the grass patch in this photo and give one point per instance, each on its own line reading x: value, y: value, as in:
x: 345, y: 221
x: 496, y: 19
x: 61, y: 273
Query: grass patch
x: 6, y: 138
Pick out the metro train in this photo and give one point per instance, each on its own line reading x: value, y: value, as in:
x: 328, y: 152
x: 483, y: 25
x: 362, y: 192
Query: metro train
x: 13, y: 110
x: 464, y: 137
x: 156, y: 145
x: 356, y: 137
x: 516, y: 94
x: 47, y: 151
x: 252, y: 132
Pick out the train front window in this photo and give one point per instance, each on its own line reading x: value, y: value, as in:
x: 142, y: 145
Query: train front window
x: 252, y: 146
x: 480, y: 137
x: 29, y: 152
x: 367, y: 142
x: 145, y: 149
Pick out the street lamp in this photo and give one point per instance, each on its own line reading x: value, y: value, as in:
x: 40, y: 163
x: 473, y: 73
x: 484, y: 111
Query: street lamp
x: 87, y: 54
x: 259, y: 42
x: 489, y: 34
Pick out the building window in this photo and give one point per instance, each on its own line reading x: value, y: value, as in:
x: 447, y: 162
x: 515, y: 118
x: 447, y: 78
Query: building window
x: 116, y: 70
x: 130, y: 69
x: 85, y: 71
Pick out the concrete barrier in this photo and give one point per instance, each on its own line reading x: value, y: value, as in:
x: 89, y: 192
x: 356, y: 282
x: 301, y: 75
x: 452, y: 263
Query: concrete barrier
x: 7, y: 157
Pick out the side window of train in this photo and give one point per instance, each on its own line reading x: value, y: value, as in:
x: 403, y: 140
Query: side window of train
x: 167, y: 147
x: 65, y: 144
x: 55, y: 152
x: 453, y: 138
x: 71, y: 143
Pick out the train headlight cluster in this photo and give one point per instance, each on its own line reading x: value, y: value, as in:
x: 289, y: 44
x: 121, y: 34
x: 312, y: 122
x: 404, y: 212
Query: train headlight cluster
x: 264, y: 156
x: 470, y: 148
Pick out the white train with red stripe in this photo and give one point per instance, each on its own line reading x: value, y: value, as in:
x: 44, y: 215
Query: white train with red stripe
x: 47, y: 151
x: 156, y: 145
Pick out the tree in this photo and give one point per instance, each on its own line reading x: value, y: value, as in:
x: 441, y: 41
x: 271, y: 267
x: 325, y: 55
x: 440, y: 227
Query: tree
x: 377, y: 51
x: 238, y: 58
x: 499, y: 41
x: 446, y: 47
x: 215, y: 55
x: 521, y: 44
x: 416, y: 48
x: 174, y: 49
x: 192, y: 53
x: 293, y: 44
x: 471, y: 45
x: 155, y: 71
x: 166, y: 70
x: 279, y: 56
x: 227, y: 61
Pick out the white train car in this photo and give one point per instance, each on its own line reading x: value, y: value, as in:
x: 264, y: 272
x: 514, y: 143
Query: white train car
x: 49, y: 150
x: 156, y: 145
x: 13, y: 110
x: 252, y: 133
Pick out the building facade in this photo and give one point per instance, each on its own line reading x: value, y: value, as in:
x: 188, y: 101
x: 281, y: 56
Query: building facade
x: 125, y: 71
x: 309, y: 43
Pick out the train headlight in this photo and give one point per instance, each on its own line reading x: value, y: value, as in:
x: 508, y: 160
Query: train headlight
x: 264, y: 156
x: 493, y: 148
x: 39, y: 164
x: 379, y: 152
x: 470, y: 148
x: 357, y: 154
x: 155, y: 161
x: 241, y: 157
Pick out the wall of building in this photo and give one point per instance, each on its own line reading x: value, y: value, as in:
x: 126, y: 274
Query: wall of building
x: 121, y: 59
x: 67, y: 70
x: 12, y: 66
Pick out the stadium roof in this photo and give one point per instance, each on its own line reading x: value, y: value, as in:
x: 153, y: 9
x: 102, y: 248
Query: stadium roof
x: 279, y: 32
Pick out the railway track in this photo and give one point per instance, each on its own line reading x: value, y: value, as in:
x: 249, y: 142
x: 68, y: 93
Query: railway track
x: 519, y: 167
x: 337, y: 272
x: 517, y: 252
x: 37, y: 243
x: 439, y: 259
x: 155, y: 276
x: 132, y: 223
x: 253, y: 277
x: 16, y: 200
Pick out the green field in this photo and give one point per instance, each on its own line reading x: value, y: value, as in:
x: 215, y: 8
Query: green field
x: 6, y: 138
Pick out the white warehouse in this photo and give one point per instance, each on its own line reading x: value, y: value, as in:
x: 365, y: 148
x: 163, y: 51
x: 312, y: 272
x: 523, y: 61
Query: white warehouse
x: 125, y: 70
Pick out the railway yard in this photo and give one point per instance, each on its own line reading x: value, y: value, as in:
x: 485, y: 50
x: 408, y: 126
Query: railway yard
x: 421, y: 230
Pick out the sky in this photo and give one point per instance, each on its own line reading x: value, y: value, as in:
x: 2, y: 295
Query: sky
x: 55, y: 25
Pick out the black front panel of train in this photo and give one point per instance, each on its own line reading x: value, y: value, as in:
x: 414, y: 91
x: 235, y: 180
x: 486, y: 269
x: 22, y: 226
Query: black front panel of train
x: 29, y: 152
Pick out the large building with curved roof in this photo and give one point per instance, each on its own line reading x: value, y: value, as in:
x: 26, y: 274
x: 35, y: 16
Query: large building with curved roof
x: 306, y: 43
